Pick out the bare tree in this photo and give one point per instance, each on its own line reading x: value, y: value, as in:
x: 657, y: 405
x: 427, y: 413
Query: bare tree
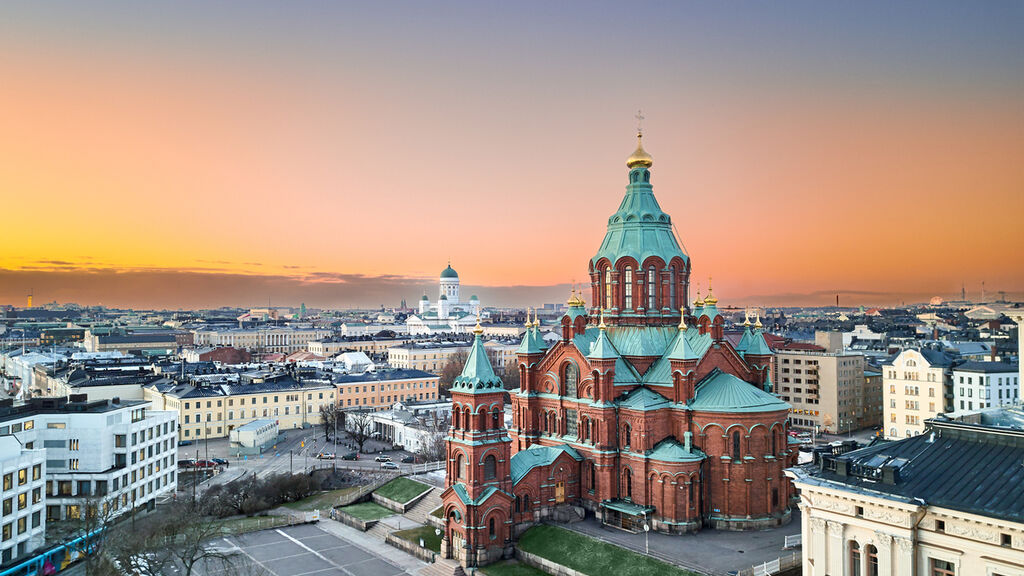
x: 435, y: 447
x: 452, y: 368
x: 331, y: 417
x: 359, y: 425
x: 510, y: 376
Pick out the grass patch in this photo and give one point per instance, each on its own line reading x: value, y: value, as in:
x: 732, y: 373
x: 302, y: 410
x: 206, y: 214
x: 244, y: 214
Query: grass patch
x: 431, y: 541
x: 591, y: 556
x: 402, y: 489
x: 438, y: 513
x: 321, y: 501
x: 512, y: 568
x: 367, y: 511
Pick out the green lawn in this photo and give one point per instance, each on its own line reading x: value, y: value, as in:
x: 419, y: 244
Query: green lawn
x: 431, y: 540
x: 321, y: 501
x: 402, y: 489
x: 367, y: 511
x: 511, y: 568
x: 439, y: 512
x: 590, y: 556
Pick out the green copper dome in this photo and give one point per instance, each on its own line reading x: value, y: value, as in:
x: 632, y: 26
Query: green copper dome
x: 424, y: 298
x: 449, y: 272
x: 639, y: 228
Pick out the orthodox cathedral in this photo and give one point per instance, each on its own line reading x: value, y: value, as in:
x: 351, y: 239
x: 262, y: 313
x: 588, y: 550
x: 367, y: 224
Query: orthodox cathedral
x: 448, y: 314
x: 642, y: 413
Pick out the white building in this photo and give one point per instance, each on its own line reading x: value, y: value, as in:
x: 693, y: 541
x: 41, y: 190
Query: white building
x: 449, y: 313
x: 978, y: 385
x: 122, y: 454
x: 23, y: 523
x: 412, y: 426
x: 255, y: 434
x: 915, y: 385
x: 284, y: 339
x: 945, y: 503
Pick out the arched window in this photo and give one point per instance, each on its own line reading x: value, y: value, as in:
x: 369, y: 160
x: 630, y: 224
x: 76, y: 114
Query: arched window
x: 854, y: 559
x: 490, y: 467
x: 455, y: 418
x: 692, y: 489
x: 526, y: 502
x: 608, y: 288
x: 627, y: 433
x: 593, y: 477
x: 627, y: 483
x: 736, y: 445
x: 490, y: 529
x: 872, y: 555
x: 774, y: 443
x: 466, y: 422
x: 652, y: 289
x: 458, y: 466
x: 628, y: 285
x: 519, y: 504
x: 570, y: 377
x: 544, y: 417
x: 496, y: 419
x: 672, y: 287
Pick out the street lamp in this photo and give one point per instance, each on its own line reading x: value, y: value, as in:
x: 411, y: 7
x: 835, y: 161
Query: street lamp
x: 647, y: 537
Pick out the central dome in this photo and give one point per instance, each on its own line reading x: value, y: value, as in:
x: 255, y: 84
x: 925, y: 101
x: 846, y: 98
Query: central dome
x: 639, y: 157
x: 449, y: 272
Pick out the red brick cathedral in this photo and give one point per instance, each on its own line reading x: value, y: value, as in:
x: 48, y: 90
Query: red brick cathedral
x: 642, y: 413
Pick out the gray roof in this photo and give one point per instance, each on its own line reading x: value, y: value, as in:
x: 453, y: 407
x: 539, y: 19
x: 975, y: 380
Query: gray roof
x: 987, y: 367
x: 966, y: 467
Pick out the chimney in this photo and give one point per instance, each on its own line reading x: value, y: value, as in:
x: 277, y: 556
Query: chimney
x: 688, y: 440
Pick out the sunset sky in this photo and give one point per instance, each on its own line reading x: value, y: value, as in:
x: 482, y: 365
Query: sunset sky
x: 205, y: 154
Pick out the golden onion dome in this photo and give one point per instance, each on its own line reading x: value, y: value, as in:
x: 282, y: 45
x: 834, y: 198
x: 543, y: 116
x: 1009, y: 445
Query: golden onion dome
x: 640, y: 157
x: 575, y: 300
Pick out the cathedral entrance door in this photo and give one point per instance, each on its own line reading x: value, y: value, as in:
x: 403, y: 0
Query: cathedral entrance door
x: 560, y: 493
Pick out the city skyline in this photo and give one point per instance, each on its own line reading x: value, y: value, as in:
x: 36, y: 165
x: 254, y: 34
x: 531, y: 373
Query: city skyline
x: 201, y: 156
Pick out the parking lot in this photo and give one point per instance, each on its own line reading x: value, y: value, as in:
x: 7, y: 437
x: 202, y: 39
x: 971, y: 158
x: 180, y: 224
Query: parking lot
x: 297, y: 551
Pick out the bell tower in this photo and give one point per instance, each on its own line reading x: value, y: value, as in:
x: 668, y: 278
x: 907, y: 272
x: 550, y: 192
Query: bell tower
x: 478, y: 485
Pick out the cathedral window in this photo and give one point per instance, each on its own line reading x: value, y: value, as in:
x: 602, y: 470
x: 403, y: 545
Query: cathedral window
x: 608, y: 288
x: 652, y: 289
x: 570, y: 423
x: 455, y: 418
x: 627, y: 432
x: 496, y: 419
x: 490, y: 467
x: 628, y: 285
x: 627, y: 484
x: 774, y: 443
x: 736, y: 445
x: 544, y: 417
x: 490, y: 529
x: 692, y: 489
x: 593, y: 477
x: 672, y: 287
x: 571, y: 376
x: 458, y: 466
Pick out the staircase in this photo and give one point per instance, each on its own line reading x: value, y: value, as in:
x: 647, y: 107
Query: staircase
x: 379, y: 530
x: 423, y: 508
x: 443, y: 567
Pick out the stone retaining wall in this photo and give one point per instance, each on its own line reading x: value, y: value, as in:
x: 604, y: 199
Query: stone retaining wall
x: 413, y: 548
x: 545, y: 565
x: 350, y: 520
x: 400, y: 507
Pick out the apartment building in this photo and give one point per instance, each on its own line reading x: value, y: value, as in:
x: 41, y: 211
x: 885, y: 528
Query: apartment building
x: 214, y: 410
x: 380, y: 389
x: 916, y: 386
x: 432, y: 356
x: 978, y: 385
x: 370, y: 346
x: 118, y: 453
x: 23, y: 523
x: 826, y: 386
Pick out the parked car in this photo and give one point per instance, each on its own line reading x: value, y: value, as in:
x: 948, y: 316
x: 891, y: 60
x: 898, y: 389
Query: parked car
x: 325, y: 456
x: 205, y: 464
x: 219, y: 461
x: 382, y: 458
x: 186, y: 463
x: 184, y: 442
x: 408, y: 459
x: 388, y: 466
x: 351, y: 456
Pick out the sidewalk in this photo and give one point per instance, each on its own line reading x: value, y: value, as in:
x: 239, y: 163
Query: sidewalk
x: 375, y: 546
x: 709, y: 552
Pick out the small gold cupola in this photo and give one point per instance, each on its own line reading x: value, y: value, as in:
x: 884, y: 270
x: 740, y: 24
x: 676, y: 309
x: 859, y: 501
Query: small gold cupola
x: 640, y: 157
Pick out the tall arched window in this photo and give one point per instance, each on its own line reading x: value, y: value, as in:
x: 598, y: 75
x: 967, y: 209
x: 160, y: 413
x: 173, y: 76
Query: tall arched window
x: 570, y: 377
x: 490, y: 467
x: 608, y: 288
x: 872, y: 555
x: 495, y: 419
x: 628, y: 285
x: 774, y: 443
x: 458, y: 466
x: 490, y: 529
x: 627, y: 484
x: 627, y: 433
x: 593, y: 477
x: 854, y: 559
x: 544, y: 417
x: 455, y: 418
x: 652, y: 289
x: 736, y: 455
x: 672, y: 288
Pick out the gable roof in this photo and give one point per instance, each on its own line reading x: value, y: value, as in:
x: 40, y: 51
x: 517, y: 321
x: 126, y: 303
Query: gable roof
x: 536, y: 455
x: 642, y: 399
x: 670, y: 450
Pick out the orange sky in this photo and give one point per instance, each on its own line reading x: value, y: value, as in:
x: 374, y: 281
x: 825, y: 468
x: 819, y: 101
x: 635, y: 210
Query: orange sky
x: 273, y: 145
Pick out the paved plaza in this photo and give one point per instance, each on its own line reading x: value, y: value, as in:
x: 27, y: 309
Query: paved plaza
x: 303, y: 550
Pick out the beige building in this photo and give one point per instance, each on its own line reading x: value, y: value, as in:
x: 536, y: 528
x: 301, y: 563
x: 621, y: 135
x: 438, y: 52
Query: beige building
x: 941, y: 504
x: 213, y: 411
x: 431, y: 357
x: 826, y: 386
x: 284, y: 339
x: 331, y: 346
x: 381, y: 389
x: 916, y: 386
